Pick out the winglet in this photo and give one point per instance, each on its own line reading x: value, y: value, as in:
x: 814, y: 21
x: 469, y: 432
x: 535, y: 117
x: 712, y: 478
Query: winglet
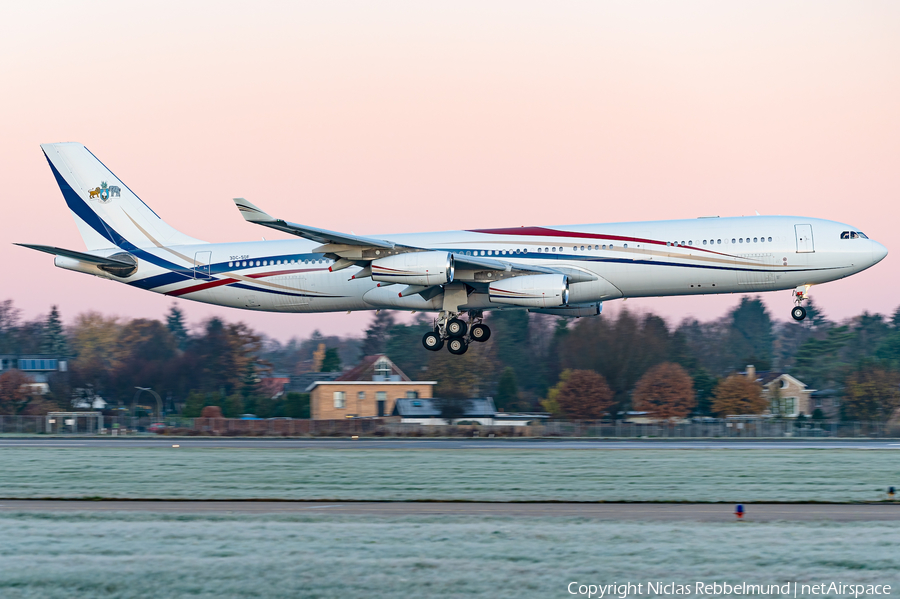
x: 252, y: 213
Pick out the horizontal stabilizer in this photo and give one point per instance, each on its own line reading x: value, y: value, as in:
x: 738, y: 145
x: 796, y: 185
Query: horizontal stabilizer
x: 84, y: 257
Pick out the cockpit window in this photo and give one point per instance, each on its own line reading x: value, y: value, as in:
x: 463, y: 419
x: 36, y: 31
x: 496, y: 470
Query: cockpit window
x: 845, y: 234
x: 862, y: 235
x: 853, y: 235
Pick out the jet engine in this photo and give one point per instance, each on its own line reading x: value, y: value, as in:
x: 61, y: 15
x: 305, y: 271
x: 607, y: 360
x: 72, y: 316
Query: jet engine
x: 414, y: 268
x: 531, y: 291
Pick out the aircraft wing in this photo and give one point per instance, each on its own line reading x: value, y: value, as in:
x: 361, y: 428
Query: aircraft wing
x: 349, y: 250
x: 254, y: 215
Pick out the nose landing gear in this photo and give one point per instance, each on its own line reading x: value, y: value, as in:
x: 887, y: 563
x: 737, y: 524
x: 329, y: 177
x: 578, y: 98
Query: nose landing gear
x: 800, y: 293
x: 457, y: 334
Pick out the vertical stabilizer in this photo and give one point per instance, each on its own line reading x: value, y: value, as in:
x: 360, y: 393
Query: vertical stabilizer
x: 107, y: 212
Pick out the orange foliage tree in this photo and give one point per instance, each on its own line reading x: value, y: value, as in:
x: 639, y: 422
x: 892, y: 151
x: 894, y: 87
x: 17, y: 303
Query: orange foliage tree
x: 738, y: 394
x: 666, y: 391
x: 585, y: 396
x: 14, y: 392
x: 871, y: 393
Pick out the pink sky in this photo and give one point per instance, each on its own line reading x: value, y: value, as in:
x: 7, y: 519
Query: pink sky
x: 393, y: 117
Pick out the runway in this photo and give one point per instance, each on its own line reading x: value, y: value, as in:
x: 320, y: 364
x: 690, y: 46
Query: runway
x: 418, y: 443
x: 649, y: 512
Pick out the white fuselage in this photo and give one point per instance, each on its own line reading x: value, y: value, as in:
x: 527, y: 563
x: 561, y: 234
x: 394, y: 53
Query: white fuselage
x: 639, y: 259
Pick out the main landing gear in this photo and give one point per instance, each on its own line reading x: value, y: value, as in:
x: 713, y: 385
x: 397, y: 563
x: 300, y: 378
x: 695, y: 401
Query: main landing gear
x: 800, y: 293
x: 456, y: 333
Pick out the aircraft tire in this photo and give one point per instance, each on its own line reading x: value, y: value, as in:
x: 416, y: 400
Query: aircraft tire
x: 481, y: 333
x: 432, y: 342
x: 457, y: 346
x: 456, y: 328
x: 798, y: 313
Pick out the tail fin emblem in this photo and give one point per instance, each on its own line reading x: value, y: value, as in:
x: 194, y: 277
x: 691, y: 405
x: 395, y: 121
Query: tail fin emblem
x: 104, y: 192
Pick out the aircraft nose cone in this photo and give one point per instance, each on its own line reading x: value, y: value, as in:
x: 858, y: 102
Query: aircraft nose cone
x: 878, y: 252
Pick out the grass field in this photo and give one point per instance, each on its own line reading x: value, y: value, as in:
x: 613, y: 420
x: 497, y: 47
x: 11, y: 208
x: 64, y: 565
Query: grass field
x: 469, y: 474
x: 120, y: 555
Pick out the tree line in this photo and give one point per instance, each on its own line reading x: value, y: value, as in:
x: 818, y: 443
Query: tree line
x: 629, y: 361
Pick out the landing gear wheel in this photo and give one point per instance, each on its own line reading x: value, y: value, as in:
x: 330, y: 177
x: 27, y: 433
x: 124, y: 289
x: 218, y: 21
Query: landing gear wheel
x: 457, y: 346
x: 798, y: 313
x: 456, y: 327
x: 432, y: 342
x: 481, y: 332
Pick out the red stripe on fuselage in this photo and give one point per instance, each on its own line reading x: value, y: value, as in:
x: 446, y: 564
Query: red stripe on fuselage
x: 544, y: 232
x: 258, y: 275
x: 201, y: 287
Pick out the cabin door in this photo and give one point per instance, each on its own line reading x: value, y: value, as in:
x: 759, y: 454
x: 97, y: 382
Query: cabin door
x: 805, y: 243
x: 201, y: 264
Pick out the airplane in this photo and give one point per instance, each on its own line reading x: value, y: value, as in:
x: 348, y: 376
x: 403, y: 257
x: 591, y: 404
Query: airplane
x: 560, y: 270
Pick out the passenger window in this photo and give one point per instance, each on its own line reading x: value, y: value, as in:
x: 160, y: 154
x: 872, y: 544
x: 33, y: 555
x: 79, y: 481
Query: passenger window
x: 690, y: 242
x: 582, y: 248
x: 770, y: 239
x: 733, y: 240
x: 741, y: 240
x: 754, y: 240
x: 704, y: 242
x: 625, y: 246
x: 719, y: 241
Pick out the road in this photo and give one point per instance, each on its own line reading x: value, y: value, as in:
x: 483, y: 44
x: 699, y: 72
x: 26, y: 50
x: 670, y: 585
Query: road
x: 650, y: 512
x: 418, y: 443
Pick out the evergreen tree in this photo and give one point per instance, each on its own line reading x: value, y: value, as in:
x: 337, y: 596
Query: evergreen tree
x: 296, y: 405
x: 703, y: 386
x: 513, y: 347
x: 818, y: 361
x: 751, y: 338
x: 332, y: 361
x: 53, y: 340
x: 249, y: 381
x: 895, y: 319
x: 404, y: 346
x: 9, y: 324
x: 507, y: 390
x: 815, y: 317
x: 378, y: 333
x: 175, y: 324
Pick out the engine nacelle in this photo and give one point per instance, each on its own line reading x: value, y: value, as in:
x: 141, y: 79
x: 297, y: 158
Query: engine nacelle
x: 414, y: 268
x: 531, y: 291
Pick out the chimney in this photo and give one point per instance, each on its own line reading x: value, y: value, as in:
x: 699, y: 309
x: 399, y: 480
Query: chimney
x: 751, y: 372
